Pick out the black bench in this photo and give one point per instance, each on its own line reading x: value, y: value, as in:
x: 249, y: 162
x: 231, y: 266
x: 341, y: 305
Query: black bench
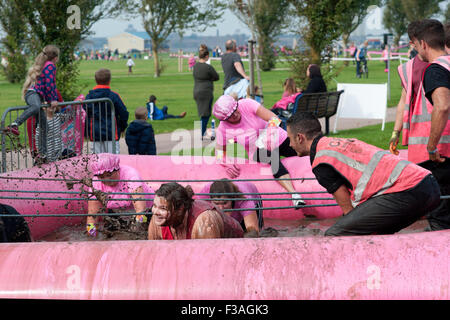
x: 322, y: 104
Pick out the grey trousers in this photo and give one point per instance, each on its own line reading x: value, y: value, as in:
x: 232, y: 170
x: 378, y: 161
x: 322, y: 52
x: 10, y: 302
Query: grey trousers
x: 34, y: 101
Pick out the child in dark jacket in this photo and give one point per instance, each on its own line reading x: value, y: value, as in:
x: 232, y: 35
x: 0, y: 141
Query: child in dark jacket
x: 140, y: 137
x: 100, y: 124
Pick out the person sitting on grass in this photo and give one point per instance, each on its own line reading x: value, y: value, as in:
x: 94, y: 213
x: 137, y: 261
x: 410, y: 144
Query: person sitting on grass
x: 154, y: 113
x: 140, y: 137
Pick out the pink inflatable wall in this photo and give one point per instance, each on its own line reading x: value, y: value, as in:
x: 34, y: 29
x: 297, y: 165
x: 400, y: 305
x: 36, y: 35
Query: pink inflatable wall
x: 408, y: 266
x: 152, y: 168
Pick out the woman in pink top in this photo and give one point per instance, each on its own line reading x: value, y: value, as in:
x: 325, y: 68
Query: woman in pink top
x: 251, y: 218
x: 256, y: 128
x: 107, y: 167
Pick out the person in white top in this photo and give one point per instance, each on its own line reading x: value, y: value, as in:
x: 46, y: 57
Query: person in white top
x: 130, y: 64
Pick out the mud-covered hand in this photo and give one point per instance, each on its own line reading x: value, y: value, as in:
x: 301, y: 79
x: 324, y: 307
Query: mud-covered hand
x: 232, y: 170
x: 393, y: 142
x: 141, y: 218
x: 91, y: 229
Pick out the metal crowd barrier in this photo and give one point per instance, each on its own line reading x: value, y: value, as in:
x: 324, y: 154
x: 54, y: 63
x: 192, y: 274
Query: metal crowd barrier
x: 78, y: 121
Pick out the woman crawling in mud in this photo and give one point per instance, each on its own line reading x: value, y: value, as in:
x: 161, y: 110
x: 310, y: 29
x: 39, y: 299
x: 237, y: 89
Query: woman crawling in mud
x: 176, y: 215
x: 107, y: 172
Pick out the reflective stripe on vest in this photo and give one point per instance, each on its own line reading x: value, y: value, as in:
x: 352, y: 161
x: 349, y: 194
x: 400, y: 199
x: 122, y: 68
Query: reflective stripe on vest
x: 405, y: 72
x: 421, y: 124
x: 361, y: 164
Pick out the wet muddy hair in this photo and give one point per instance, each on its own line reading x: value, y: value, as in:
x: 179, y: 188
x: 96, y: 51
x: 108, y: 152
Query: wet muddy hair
x: 225, y: 186
x: 176, y: 196
x: 305, y: 123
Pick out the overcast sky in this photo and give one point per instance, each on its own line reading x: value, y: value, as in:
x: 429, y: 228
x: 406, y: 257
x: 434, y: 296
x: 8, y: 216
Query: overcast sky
x: 111, y: 27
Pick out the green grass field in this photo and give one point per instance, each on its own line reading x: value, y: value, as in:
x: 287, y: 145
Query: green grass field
x: 175, y: 89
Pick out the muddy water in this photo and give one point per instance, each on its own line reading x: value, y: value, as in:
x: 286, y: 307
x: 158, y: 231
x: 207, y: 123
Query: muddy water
x: 125, y: 229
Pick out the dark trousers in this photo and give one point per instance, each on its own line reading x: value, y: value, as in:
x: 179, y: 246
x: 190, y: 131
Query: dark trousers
x: 168, y: 116
x: 439, y: 218
x: 389, y: 213
x: 274, y: 157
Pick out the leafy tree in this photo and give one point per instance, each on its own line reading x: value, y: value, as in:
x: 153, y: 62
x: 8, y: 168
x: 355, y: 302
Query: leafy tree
x: 15, y: 40
x: 395, y: 19
x: 354, y: 16
x: 52, y: 22
x: 164, y: 17
x: 419, y: 9
x: 266, y: 19
x: 447, y: 14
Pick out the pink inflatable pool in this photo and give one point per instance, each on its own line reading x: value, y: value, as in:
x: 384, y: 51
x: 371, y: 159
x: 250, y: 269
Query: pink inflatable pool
x: 153, y: 168
x: 400, y: 266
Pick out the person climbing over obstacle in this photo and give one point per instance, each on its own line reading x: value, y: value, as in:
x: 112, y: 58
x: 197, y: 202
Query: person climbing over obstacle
x: 112, y: 177
x: 248, y: 123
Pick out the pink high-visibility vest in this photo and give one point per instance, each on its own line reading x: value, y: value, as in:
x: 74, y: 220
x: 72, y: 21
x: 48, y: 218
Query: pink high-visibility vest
x: 370, y: 170
x: 405, y: 72
x: 420, y: 124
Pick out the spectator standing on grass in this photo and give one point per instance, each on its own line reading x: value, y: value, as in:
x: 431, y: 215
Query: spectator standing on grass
x: 100, y: 126
x: 130, y: 64
x: 140, y: 137
x: 236, y: 80
x: 204, y: 77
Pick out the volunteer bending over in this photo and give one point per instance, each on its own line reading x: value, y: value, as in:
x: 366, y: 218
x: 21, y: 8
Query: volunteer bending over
x: 249, y: 124
x: 377, y: 191
x: 176, y: 216
x: 107, y: 167
x: 250, y: 217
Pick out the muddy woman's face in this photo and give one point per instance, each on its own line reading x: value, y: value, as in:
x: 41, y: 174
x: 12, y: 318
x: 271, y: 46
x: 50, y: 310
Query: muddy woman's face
x: 162, y: 214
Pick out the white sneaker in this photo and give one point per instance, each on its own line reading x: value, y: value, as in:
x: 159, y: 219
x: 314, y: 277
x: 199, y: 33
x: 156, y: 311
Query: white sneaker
x: 297, y: 200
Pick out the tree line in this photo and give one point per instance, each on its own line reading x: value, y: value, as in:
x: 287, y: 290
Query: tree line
x: 30, y: 25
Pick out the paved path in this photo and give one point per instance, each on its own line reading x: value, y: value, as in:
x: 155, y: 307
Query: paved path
x: 166, y: 142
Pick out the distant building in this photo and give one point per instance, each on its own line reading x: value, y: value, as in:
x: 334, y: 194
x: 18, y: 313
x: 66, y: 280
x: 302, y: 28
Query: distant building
x: 94, y: 44
x: 126, y: 41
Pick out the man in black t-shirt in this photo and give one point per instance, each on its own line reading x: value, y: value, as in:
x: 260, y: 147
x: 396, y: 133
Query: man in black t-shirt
x: 430, y: 43
x: 236, y: 80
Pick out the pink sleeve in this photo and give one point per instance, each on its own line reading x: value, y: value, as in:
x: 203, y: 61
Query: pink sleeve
x: 248, y: 204
x: 221, y: 138
x: 129, y: 173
